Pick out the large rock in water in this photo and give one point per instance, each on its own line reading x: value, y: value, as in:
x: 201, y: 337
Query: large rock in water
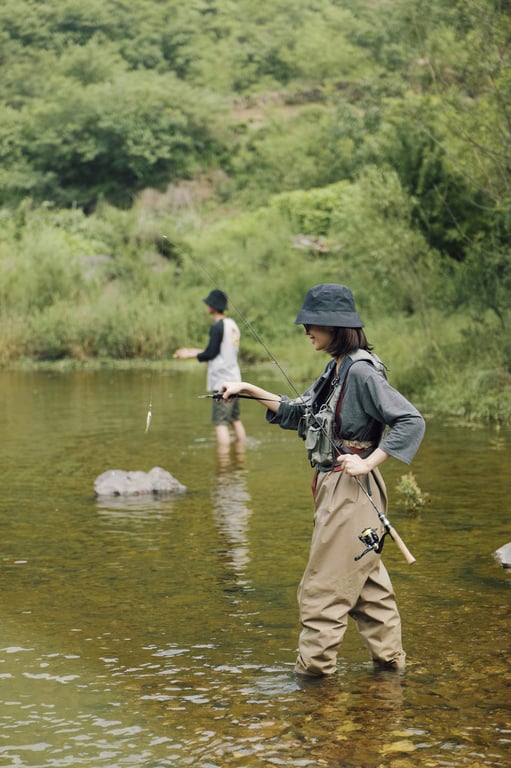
x: 503, y: 555
x: 156, y: 482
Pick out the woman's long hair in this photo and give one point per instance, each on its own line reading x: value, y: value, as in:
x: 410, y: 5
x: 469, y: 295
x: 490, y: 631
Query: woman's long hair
x: 345, y: 340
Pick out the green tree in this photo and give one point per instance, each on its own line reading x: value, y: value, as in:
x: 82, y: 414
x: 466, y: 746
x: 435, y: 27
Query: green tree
x: 108, y: 138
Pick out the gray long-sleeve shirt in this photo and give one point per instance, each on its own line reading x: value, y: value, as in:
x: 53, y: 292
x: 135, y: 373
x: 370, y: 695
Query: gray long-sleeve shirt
x: 369, y: 405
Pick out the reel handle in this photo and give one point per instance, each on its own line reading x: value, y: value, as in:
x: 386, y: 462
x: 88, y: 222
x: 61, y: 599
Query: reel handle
x: 394, y: 535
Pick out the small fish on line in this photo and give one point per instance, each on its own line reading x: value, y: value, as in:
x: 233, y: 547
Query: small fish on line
x: 148, y: 419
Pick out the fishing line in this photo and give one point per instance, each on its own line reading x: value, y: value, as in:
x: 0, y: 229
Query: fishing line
x: 150, y: 411
x: 377, y: 545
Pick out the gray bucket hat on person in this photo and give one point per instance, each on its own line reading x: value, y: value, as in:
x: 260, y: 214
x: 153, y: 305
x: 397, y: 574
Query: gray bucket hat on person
x: 329, y: 304
x: 216, y: 299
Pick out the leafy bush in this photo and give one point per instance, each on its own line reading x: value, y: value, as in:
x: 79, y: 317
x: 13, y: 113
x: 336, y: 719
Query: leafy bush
x: 408, y: 489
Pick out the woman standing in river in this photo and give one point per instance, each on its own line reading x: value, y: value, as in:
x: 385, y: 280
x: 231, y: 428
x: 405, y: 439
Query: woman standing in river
x: 343, y: 418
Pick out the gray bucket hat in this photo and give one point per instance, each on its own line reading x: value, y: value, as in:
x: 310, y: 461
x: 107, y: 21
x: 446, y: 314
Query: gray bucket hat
x: 329, y: 304
x: 216, y: 299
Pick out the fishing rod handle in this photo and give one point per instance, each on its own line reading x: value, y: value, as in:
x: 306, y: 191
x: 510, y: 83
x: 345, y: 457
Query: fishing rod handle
x: 394, y: 535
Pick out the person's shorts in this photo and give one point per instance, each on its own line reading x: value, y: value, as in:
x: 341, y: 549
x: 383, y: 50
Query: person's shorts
x: 225, y: 412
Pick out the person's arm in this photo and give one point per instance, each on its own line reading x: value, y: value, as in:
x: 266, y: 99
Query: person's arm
x: 185, y: 353
x: 268, y: 399
x: 216, y: 333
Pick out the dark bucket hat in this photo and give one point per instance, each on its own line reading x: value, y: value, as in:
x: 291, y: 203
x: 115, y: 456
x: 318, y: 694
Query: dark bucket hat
x: 329, y: 304
x: 216, y: 299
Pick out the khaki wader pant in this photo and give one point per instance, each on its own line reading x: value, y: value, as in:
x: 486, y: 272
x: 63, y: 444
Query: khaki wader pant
x: 335, y: 586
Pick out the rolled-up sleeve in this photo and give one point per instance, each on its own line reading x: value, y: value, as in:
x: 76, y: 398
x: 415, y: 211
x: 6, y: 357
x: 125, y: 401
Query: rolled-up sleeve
x: 372, y: 393
x: 289, y: 413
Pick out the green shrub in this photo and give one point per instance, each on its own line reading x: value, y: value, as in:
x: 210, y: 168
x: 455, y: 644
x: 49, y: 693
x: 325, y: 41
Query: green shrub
x: 408, y: 489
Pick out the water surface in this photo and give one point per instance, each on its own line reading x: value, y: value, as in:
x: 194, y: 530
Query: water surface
x: 163, y: 632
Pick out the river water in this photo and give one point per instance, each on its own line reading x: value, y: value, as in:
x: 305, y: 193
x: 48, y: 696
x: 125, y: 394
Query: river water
x: 163, y: 632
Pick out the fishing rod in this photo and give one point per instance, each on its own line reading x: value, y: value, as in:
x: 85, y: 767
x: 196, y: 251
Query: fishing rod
x: 369, y: 536
x: 219, y: 396
x: 373, y: 542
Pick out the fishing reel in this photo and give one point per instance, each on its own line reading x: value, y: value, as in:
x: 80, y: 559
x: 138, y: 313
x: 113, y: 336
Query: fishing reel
x: 373, y: 543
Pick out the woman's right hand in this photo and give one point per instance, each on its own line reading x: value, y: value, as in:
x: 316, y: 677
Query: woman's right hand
x: 231, y: 388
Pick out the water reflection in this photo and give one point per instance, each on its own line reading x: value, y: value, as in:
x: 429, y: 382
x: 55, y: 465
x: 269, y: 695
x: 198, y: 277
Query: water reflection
x: 133, y: 506
x: 231, y: 512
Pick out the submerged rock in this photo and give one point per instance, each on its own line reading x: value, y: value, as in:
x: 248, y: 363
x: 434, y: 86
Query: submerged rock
x: 156, y: 482
x: 503, y: 555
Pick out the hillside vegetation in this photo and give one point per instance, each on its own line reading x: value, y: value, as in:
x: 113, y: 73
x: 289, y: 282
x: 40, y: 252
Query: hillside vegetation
x: 151, y: 150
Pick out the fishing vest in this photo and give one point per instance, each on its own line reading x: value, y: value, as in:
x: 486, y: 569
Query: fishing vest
x: 318, y: 427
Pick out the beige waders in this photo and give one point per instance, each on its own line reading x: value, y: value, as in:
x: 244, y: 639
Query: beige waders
x: 335, y: 586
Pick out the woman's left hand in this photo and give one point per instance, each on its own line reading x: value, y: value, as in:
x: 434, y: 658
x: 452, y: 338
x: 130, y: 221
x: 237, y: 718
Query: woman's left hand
x: 353, y: 465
